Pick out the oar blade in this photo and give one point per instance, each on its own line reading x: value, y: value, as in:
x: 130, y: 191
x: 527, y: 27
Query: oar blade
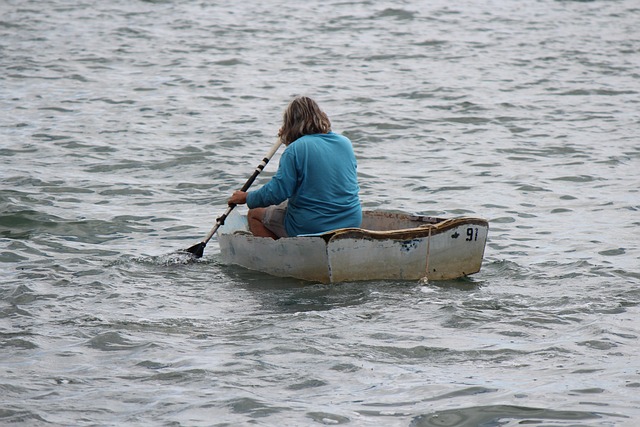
x: 197, y: 250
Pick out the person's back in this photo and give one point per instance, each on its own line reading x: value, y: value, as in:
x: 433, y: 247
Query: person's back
x: 327, y: 195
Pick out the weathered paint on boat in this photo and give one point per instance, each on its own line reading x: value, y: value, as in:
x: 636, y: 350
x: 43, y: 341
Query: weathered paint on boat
x: 388, y: 246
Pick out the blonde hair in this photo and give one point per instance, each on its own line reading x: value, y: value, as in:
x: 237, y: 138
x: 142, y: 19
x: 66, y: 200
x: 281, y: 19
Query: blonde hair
x: 303, y: 116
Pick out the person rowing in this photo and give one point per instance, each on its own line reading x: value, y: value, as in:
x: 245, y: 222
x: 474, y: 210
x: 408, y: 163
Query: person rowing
x: 315, y: 188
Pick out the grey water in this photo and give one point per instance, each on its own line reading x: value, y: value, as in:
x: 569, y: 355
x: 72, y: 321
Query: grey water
x: 125, y: 126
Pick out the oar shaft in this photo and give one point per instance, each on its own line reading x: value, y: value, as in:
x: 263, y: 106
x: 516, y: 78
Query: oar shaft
x: 219, y: 221
x: 245, y: 187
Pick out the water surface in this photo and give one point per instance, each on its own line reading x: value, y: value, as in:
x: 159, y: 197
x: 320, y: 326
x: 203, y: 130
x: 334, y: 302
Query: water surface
x: 125, y: 125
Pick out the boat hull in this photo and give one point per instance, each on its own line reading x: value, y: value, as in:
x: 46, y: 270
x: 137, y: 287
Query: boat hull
x: 389, y: 246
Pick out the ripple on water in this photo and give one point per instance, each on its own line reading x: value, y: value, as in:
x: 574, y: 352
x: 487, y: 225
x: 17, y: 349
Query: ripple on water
x: 11, y: 416
x: 16, y: 343
x: 492, y: 414
x: 114, y: 341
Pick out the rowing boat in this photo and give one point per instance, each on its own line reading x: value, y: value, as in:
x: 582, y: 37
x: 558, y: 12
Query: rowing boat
x: 389, y: 245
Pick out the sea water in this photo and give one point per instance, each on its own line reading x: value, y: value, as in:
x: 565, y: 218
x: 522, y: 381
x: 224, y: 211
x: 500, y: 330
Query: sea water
x: 126, y: 125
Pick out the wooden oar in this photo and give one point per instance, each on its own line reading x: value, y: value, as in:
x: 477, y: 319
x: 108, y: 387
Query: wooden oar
x: 198, y: 249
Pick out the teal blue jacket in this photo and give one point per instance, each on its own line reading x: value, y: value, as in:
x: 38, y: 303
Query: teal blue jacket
x: 317, y: 174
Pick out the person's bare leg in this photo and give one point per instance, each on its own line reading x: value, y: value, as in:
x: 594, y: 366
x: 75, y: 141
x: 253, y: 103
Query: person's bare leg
x: 256, y: 226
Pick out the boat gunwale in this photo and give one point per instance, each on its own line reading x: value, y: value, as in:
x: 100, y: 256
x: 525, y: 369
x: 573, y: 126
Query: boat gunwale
x: 403, y: 233
x: 426, y: 230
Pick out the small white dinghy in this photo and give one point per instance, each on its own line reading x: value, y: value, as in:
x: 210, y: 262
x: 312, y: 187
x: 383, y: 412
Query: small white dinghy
x: 388, y: 246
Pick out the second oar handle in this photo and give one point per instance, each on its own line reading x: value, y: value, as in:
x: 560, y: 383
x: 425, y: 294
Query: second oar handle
x: 221, y: 219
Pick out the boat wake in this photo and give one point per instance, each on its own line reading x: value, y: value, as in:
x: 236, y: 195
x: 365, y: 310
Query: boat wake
x: 174, y: 258
x: 170, y: 259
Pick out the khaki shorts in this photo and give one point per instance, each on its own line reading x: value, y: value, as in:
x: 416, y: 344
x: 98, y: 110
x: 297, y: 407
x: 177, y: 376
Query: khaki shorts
x: 273, y: 219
